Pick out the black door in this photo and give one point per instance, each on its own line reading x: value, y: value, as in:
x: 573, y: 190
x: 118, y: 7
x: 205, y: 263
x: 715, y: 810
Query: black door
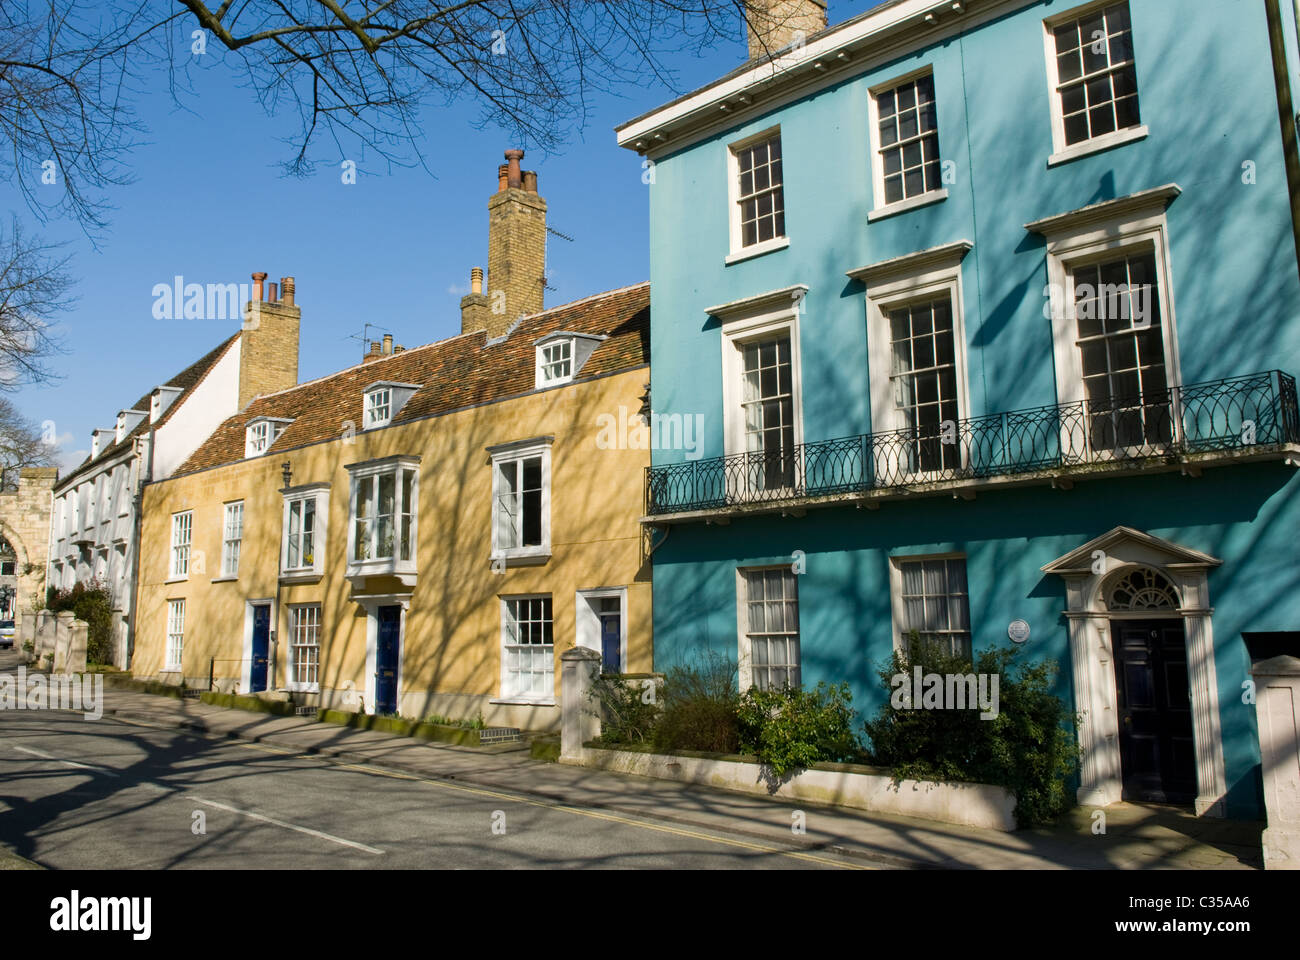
x: 1155, y: 711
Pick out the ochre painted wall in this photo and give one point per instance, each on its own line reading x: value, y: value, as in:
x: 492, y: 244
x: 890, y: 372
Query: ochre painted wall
x: 451, y: 656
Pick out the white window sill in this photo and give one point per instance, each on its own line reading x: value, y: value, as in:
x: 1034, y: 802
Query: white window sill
x: 522, y: 702
x: 1098, y: 144
x: 547, y: 384
x: 302, y: 687
x: 183, y: 579
x: 911, y: 203
x: 758, y: 249
x: 169, y: 670
x: 531, y: 559
x: 230, y: 579
x: 386, y: 567
x: 300, y: 576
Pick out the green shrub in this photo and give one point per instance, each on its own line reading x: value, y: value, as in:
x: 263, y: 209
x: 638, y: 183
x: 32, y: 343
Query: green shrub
x: 92, y: 603
x: 790, y: 729
x: 699, y: 708
x: 1027, y: 747
x: 467, y: 723
x: 626, y: 714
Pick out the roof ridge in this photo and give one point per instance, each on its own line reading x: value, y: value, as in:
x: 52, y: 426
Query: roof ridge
x: 446, y: 340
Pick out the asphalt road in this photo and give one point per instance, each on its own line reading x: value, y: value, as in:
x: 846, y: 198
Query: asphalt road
x: 92, y: 794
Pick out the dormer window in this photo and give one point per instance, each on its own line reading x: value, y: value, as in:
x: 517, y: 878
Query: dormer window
x: 379, y: 407
x: 384, y: 400
x: 261, y: 433
x: 555, y: 362
x: 560, y: 356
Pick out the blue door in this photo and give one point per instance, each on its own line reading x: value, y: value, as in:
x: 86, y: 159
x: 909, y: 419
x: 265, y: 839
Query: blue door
x: 611, y: 638
x: 387, y: 654
x: 261, y: 647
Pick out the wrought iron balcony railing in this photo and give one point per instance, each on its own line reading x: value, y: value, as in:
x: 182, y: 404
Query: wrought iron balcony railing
x: 1236, y: 414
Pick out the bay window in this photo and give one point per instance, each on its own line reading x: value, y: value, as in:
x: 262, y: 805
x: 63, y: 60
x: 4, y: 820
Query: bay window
x: 383, y: 517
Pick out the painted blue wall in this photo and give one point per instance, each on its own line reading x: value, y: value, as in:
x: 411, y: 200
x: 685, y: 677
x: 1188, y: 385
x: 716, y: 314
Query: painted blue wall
x: 1207, y: 95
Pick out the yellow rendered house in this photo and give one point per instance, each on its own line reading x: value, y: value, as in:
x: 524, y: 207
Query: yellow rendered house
x: 426, y: 532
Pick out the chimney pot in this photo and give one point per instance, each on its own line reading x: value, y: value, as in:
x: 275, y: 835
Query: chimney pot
x: 388, y: 344
x: 476, y: 281
x: 530, y: 181
x: 514, y: 177
x: 257, y: 285
x: 503, y: 177
x: 286, y: 291
x: 272, y: 292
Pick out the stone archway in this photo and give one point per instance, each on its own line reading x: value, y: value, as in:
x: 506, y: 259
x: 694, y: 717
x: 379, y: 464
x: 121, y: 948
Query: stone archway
x: 1143, y: 573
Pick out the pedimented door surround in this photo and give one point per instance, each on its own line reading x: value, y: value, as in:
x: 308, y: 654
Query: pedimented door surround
x: 1090, y: 572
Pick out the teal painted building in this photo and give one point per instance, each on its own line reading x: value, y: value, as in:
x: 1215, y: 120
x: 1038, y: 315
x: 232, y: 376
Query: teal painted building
x: 990, y: 312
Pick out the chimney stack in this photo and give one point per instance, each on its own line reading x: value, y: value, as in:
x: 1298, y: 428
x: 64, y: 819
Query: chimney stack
x: 268, y: 347
x: 773, y: 25
x: 516, y: 280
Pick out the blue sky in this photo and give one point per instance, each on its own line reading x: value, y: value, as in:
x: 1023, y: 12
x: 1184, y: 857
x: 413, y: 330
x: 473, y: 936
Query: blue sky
x: 209, y: 203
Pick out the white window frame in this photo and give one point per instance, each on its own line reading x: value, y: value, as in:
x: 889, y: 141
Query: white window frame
x: 257, y: 441
x: 380, y: 398
x: 1061, y: 152
x: 543, y: 363
x: 745, y: 321
x: 407, y: 569
x: 744, y: 660
x: 175, y: 644
x: 509, y: 695
x: 898, y: 612
x: 320, y: 492
x: 231, y: 546
x: 294, y: 631
x: 881, y: 208
x: 914, y: 278
x: 738, y: 250
x: 518, y: 452
x: 179, y: 563
x: 1101, y: 232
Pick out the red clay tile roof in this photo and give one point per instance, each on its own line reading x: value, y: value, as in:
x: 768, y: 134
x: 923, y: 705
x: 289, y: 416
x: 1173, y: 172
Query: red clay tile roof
x: 456, y: 373
x: 187, y: 380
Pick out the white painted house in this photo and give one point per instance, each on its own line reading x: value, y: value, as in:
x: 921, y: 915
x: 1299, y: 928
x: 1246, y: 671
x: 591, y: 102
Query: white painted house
x: 94, y: 526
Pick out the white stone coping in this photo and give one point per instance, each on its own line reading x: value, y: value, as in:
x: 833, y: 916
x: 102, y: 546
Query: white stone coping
x: 967, y: 804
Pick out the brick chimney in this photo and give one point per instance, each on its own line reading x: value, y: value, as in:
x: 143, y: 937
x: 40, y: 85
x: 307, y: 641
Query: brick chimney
x: 474, y: 311
x: 268, y: 349
x: 516, y: 280
x: 772, y: 25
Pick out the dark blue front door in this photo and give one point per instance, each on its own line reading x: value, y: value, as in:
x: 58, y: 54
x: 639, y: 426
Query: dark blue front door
x: 261, y: 647
x: 610, y: 643
x: 386, y: 659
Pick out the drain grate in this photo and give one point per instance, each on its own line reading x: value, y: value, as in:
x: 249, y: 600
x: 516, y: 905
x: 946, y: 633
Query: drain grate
x: 499, y: 735
x: 305, y: 711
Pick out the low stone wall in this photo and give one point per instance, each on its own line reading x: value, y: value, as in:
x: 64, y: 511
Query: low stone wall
x: 845, y: 785
x: 59, y: 641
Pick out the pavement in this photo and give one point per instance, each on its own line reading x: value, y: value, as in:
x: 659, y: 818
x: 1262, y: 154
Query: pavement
x: 1136, y: 836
